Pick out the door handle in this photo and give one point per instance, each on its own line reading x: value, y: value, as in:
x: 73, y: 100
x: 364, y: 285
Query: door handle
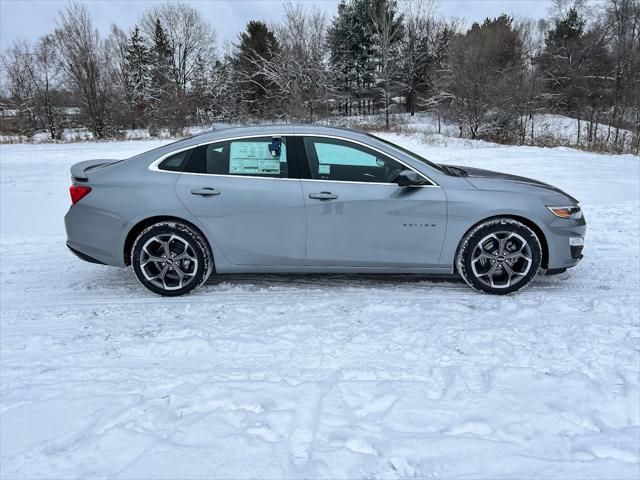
x: 205, y: 192
x: 323, y: 196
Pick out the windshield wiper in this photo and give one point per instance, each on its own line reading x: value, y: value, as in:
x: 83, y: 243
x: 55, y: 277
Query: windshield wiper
x: 455, y: 171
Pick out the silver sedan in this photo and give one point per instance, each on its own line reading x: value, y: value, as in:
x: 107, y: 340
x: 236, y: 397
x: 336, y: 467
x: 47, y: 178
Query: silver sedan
x: 301, y: 199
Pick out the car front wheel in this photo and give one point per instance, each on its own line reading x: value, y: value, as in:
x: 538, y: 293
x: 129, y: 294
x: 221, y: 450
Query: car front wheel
x: 499, y: 256
x: 171, y: 258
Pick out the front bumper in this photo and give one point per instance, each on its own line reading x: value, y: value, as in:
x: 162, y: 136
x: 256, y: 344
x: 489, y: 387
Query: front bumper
x: 576, y: 252
x: 565, y: 240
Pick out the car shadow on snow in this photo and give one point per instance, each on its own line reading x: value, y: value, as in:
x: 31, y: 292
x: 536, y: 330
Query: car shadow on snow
x: 365, y: 280
x: 359, y: 280
x: 257, y: 281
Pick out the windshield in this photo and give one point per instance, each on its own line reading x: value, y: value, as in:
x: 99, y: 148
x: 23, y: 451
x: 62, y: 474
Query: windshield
x: 440, y: 168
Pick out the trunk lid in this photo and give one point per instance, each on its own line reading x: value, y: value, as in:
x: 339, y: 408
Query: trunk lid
x: 81, y: 170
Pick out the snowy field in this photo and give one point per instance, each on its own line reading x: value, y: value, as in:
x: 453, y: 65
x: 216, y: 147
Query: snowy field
x: 319, y: 376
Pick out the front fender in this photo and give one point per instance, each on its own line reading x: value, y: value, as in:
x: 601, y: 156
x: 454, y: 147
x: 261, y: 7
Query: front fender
x: 465, y: 213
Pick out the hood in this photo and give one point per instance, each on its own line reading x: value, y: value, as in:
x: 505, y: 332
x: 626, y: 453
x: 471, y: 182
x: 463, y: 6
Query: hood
x: 490, y: 180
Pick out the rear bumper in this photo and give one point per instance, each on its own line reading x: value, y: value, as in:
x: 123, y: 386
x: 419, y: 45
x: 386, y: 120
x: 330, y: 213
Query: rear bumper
x: 84, y: 256
x: 94, y: 235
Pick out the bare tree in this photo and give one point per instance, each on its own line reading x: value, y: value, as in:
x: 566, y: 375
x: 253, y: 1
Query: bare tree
x: 526, y: 83
x: 83, y: 60
x: 298, y: 69
x: 482, y: 64
x: 16, y: 61
x: 45, y: 73
x: 302, y: 40
x: 214, y: 92
x: 33, y: 74
x: 623, y: 16
x: 116, y: 46
x: 189, y: 36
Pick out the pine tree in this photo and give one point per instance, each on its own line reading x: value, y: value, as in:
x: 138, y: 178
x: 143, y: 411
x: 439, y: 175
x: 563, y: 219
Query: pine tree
x: 200, y: 92
x: 351, y: 43
x: 560, y: 59
x: 138, y: 60
x: 257, y: 43
x: 388, y: 30
x: 161, y: 93
x: 416, y: 57
x: 575, y: 66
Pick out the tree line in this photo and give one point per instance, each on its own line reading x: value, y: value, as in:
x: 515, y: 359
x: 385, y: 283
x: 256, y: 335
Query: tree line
x: 373, y: 57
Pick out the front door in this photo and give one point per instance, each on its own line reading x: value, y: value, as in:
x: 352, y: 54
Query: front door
x: 241, y: 191
x: 357, y: 216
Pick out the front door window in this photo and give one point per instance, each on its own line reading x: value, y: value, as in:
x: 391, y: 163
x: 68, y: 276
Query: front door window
x: 340, y: 160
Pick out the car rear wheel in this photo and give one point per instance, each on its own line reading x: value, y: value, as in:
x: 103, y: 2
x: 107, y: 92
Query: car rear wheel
x: 499, y: 256
x: 171, y: 258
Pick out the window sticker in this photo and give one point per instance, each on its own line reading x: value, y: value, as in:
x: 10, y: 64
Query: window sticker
x: 254, y: 158
x: 324, y: 169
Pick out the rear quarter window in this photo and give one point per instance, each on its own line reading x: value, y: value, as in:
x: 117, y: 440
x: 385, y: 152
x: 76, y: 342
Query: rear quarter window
x: 176, y: 162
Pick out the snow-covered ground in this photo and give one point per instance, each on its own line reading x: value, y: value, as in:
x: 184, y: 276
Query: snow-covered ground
x: 319, y: 376
x: 563, y: 130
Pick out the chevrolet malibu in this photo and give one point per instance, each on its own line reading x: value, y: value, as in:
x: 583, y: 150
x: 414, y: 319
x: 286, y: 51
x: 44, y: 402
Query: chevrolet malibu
x: 301, y: 199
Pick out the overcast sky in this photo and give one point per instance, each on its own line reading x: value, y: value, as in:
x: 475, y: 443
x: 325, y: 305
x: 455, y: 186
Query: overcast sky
x: 32, y: 18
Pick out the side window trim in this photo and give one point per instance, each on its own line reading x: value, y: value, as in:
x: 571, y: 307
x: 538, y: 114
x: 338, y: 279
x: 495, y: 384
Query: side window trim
x: 304, y: 173
x: 292, y: 159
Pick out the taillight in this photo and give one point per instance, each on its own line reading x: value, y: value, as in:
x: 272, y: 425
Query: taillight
x: 78, y: 192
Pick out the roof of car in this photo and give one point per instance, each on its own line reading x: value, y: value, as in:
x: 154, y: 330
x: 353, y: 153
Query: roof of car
x: 259, y: 130
x: 267, y: 129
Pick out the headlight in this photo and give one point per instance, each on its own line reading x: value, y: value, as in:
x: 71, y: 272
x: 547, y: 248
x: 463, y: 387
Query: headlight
x: 573, y: 211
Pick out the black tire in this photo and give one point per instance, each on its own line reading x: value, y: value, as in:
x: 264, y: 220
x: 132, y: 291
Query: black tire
x: 189, y: 263
x: 493, y: 257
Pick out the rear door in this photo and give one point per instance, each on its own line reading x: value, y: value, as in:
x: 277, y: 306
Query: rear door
x: 357, y: 216
x: 242, y: 192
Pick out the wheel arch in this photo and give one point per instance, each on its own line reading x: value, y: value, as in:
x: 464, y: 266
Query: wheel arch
x: 147, y: 222
x: 525, y: 221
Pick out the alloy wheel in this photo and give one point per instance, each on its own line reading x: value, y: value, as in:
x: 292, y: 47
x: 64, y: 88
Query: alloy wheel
x: 501, y: 259
x: 168, y: 261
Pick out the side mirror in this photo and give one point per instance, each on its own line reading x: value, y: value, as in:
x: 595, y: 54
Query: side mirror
x: 409, y: 178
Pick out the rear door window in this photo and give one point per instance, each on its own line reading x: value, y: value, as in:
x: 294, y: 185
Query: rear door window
x: 253, y: 157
